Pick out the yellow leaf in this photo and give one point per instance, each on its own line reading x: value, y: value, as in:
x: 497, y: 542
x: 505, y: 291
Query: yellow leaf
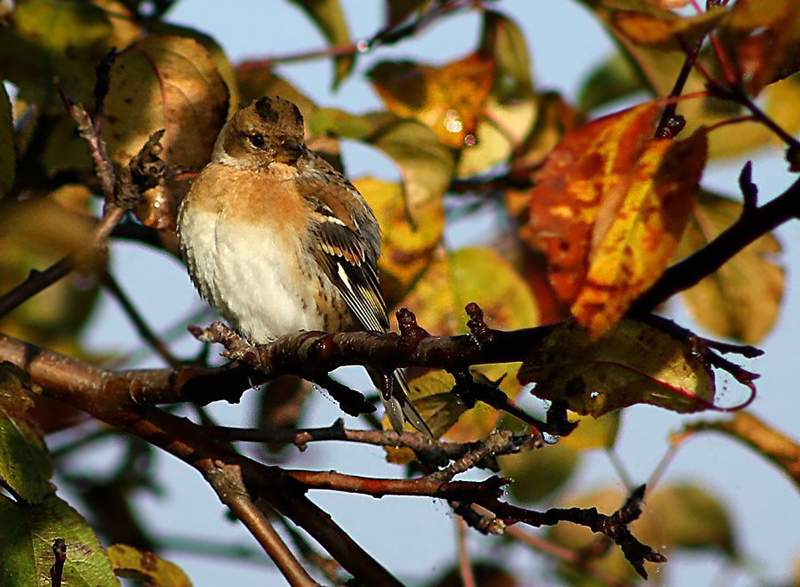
x: 667, y: 30
x: 742, y: 299
x: 449, y: 284
x: 643, y: 233
x: 448, y: 99
x: 633, y: 364
x: 593, y: 433
x: 407, y: 248
x: 131, y: 563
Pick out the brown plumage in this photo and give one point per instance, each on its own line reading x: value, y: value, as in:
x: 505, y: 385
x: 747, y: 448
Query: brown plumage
x: 279, y: 241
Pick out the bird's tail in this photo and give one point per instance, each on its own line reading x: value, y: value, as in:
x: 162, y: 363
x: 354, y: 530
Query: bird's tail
x: 397, y: 403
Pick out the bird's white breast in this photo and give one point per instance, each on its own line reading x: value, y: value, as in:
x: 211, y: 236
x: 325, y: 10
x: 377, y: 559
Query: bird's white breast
x: 249, y: 273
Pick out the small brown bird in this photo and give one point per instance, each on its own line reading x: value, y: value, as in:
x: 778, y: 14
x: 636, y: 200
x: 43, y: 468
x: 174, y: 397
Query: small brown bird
x: 278, y: 241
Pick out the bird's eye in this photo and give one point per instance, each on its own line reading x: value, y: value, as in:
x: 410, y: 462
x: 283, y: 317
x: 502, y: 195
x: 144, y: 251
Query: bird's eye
x: 256, y: 140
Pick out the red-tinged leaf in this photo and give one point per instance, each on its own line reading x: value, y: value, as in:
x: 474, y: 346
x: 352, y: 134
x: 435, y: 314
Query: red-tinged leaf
x: 633, y: 364
x: 448, y: 99
x: 630, y: 255
x: 589, y: 168
x: 668, y: 30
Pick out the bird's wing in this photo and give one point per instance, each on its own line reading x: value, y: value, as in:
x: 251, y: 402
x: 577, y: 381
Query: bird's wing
x: 345, y: 240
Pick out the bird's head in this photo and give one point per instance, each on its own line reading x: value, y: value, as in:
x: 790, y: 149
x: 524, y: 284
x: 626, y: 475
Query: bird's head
x: 270, y: 129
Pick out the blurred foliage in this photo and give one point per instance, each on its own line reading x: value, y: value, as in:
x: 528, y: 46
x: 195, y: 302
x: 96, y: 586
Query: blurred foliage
x: 592, y: 210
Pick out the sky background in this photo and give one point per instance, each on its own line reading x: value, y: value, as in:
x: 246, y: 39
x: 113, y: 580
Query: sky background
x: 415, y: 537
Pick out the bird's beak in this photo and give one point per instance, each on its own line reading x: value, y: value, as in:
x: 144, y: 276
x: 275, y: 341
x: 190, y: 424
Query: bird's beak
x: 289, y: 152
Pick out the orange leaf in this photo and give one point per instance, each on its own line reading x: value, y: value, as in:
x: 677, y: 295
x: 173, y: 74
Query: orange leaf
x: 587, y: 169
x: 644, y: 232
x: 448, y: 99
x: 762, y: 36
x: 669, y: 30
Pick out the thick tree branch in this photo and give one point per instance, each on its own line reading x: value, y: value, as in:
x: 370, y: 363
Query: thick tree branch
x: 228, y: 483
x: 84, y: 387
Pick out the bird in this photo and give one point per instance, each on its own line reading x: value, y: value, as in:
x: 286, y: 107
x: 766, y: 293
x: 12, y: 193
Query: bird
x: 279, y: 241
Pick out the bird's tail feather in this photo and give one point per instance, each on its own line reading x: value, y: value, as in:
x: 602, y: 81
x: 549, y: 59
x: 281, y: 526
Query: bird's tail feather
x: 398, y: 405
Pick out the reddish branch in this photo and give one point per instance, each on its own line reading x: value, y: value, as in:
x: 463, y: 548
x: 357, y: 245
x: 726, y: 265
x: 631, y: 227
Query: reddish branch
x: 85, y: 387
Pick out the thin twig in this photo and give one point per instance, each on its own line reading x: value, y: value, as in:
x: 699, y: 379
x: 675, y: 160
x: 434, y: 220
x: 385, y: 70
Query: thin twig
x: 565, y: 554
x: 464, y: 564
x: 137, y: 320
x: 60, y: 554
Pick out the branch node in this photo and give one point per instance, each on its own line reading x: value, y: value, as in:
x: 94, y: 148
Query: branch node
x: 748, y: 188
x: 411, y: 333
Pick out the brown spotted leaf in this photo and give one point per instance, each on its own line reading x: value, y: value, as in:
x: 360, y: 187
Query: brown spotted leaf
x: 630, y: 254
x: 33, y: 528
x: 172, y: 83
x: 742, y: 299
x: 131, y: 563
x: 448, y: 99
x: 633, y: 364
x: 589, y: 167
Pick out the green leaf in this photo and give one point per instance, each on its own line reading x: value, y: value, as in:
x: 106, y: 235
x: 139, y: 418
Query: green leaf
x: 172, y: 83
x: 742, y: 299
x: 539, y: 473
x: 689, y: 517
x: 632, y: 364
x: 28, y: 535
x: 614, y: 79
x: 329, y: 18
x: 132, y: 563
x: 61, y: 39
x: 8, y: 157
x: 25, y: 465
x: 425, y: 164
